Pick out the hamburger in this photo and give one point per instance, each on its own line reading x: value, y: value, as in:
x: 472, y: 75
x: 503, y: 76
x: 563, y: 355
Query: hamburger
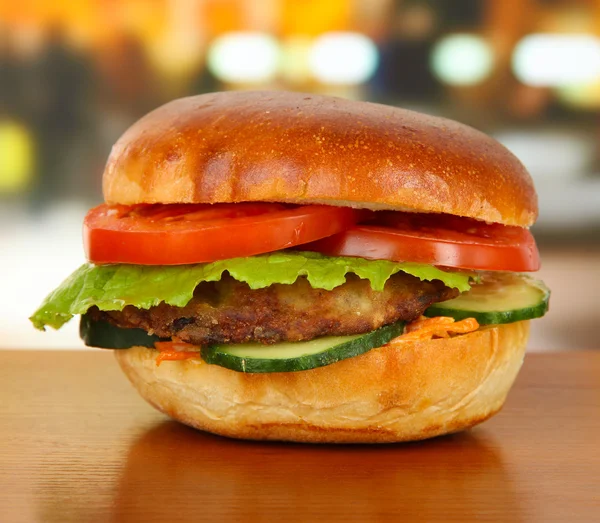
x: 284, y: 266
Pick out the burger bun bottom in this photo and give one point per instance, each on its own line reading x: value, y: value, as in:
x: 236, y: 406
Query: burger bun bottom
x: 405, y: 392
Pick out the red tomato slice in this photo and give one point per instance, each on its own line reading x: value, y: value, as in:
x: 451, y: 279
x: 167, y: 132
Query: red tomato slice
x: 436, y: 239
x: 188, y: 233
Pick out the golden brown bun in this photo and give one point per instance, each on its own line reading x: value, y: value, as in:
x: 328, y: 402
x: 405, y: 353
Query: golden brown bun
x: 300, y: 148
x: 418, y: 391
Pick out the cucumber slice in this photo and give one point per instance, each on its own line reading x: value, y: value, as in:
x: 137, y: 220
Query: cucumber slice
x: 501, y: 298
x: 293, y: 357
x: 249, y: 357
x: 104, y: 335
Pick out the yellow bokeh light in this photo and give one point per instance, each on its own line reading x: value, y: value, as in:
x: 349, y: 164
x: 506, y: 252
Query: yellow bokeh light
x: 584, y: 96
x: 16, y: 157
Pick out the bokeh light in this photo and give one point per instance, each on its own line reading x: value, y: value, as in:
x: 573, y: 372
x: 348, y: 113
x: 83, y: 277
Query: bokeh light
x: 343, y: 58
x: 462, y: 59
x: 244, y: 57
x: 16, y: 156
x: 554, y: 60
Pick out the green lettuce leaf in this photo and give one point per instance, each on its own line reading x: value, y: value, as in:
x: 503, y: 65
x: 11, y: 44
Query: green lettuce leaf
x: 112, y: 287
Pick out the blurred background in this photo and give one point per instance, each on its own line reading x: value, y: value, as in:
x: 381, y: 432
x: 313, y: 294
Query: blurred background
x: 75, y: 74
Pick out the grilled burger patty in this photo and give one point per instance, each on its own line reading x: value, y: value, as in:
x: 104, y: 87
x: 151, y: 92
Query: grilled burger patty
x: 228, y: 311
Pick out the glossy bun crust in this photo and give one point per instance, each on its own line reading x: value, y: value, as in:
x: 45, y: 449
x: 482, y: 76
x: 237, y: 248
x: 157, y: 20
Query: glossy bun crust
x: 300, y: 148
x: 416, y: 391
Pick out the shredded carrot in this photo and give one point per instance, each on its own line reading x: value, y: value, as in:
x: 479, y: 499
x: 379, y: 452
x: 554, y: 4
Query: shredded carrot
x: 175, y: 345
x: 440, y: 327
x: 174, y: 355
x: 428, y: 323
x: 175, y: 350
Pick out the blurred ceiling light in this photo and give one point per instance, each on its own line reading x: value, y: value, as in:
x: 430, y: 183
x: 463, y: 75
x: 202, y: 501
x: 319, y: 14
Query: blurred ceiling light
x: 555, y: 60
x: 462, y: 59
x: 244, y: 57
x: 343, y: 58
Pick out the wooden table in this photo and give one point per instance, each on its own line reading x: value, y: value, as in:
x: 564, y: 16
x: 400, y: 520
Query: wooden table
x: 78, y: 444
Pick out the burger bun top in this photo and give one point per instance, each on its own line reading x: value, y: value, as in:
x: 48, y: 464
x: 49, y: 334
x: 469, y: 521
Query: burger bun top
x: 309, y: 149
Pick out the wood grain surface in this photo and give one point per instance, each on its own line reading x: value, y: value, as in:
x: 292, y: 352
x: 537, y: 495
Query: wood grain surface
x: 78, y: 444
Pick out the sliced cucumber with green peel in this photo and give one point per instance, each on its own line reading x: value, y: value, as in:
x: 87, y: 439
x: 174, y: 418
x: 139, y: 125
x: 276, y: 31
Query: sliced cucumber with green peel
x: 104, y: 335
x: 502, y: 298
x: 297, y: 356
x: 250, y: 357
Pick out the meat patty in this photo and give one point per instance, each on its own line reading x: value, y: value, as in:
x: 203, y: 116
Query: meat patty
x: 228, y: 311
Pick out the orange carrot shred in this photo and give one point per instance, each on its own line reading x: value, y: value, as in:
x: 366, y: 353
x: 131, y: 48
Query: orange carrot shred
x: 427, y: 323
x: 174, y: 345
x: 175, y: 350
x: 439, y: 327
x: 174, y: 356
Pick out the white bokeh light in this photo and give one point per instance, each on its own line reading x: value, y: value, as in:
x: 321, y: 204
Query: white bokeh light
x: 244, y: 57
x: 343, y: 58
x: 462, y: 59
x: 555, y: 60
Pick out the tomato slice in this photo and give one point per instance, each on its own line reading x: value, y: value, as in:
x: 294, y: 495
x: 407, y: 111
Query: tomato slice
x: 436, y: 239
x: 180, y: 234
